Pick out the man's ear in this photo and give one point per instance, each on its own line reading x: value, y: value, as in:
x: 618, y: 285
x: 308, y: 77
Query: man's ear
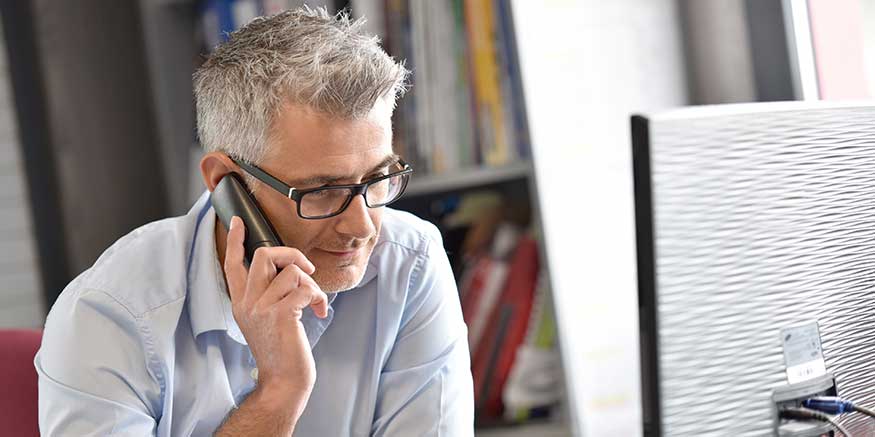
x: 214, y: 166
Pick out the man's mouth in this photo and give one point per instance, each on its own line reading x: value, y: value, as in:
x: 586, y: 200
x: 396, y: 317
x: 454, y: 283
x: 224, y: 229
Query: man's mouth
x: 343, y: 254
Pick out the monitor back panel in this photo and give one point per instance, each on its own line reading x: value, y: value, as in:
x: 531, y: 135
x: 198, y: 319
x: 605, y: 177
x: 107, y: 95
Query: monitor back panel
x: 754, y: 218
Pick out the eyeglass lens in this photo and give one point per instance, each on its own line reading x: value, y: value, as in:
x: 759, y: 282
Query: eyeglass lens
x: 331, y: 200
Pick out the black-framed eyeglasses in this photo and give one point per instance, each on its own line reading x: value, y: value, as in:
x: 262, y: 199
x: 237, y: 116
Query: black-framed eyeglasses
x: 329, y: 201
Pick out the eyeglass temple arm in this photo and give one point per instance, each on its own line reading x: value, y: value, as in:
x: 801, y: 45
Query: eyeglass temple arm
x: 261, y: 175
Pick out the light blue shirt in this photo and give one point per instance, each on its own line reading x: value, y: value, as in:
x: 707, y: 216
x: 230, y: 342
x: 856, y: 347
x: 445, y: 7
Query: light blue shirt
x: 144, y: 342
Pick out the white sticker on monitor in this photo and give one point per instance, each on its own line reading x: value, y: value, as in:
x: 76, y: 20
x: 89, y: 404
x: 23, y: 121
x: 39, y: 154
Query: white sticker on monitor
x: 803, y: 354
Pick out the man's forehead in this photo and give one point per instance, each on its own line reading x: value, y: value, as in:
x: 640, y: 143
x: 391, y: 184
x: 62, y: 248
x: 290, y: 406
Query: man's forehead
x: 310, y: 148
x: 301, y: 130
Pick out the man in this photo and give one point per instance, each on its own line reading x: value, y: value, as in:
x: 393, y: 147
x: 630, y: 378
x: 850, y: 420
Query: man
x: 354, y: 328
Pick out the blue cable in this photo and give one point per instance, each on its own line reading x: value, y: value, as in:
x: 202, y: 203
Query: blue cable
x: 830, y: 405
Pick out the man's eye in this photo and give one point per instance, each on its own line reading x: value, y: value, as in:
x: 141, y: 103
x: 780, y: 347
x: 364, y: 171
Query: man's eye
x: 377, y: 175
x: 319, y: 194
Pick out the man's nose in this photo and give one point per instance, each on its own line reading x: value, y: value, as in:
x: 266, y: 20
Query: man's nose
x: 356, y: 221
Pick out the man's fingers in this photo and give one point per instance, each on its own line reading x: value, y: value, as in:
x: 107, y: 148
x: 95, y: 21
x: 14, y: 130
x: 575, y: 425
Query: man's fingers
x: 262, y: 270
x: 297, y: 290
x: 235, y: 271
x: 267, y: 263
x: 286, y: 282
x: 307, y: 294
x: 284, y: 256
x: 319, y: 303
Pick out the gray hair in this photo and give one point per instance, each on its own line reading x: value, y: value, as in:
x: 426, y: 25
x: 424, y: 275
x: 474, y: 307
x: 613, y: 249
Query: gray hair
x: 304, y: 56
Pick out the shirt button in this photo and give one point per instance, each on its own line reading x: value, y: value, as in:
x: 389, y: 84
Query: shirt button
x: 254, y: 373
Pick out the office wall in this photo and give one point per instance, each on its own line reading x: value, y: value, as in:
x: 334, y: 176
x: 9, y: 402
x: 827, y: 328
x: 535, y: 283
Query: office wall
x: 718, y: 52
x: 869, y: 43
x: 98, y: 109
x: 21, y: 303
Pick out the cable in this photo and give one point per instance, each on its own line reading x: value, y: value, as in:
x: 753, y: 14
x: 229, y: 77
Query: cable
x: 864, y: 410
x: 808, y: 414
x: 829, y: 405
x: 836, y: 405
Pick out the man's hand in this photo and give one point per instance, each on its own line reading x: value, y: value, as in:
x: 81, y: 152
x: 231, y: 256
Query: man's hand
x: 267, y: 302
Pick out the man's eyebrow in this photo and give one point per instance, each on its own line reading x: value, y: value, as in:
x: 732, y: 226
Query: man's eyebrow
x: 329, y: 179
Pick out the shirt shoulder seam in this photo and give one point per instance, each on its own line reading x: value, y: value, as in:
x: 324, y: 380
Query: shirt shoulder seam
x: 124, y: 303
x: 146, y: 337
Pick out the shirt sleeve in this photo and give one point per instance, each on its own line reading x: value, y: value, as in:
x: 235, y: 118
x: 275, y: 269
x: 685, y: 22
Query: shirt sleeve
x: 425, y: 387
x: 93, y: 369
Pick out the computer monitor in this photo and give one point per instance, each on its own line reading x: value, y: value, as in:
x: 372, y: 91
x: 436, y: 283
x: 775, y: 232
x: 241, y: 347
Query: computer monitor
x: 752, y: 219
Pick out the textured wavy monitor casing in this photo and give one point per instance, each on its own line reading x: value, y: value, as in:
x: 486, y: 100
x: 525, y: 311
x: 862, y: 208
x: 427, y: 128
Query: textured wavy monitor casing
x: 761, y: 220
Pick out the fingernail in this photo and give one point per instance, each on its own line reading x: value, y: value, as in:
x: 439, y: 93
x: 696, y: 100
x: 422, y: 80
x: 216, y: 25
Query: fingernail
x: 234, y: 221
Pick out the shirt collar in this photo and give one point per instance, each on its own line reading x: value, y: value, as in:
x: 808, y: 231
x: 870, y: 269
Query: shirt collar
x: 208, y: 301
x: 204, y: 289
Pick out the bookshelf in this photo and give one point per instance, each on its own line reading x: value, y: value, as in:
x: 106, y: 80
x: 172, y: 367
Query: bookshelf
x: 467, y: 179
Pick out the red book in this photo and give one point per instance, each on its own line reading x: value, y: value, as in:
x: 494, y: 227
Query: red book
x: 506, y: 330
x: 471, y: 286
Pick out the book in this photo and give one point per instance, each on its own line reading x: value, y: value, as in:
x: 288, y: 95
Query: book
x: 535, y: 383
x: 515, y: 113
x: 465, y: 107
x: 483, y: 300
x: 506, y: 330
x: 467, y: 154
x: 480, y: 20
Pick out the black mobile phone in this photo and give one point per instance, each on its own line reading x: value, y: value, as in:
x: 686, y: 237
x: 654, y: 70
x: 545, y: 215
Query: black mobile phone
x: 231, y: 198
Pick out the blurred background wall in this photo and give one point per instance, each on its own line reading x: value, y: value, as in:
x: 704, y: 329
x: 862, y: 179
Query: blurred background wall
x: 21, y: 301
x: 88, y: 136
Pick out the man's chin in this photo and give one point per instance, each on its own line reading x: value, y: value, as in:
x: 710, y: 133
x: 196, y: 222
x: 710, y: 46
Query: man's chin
x: 341, y: 279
